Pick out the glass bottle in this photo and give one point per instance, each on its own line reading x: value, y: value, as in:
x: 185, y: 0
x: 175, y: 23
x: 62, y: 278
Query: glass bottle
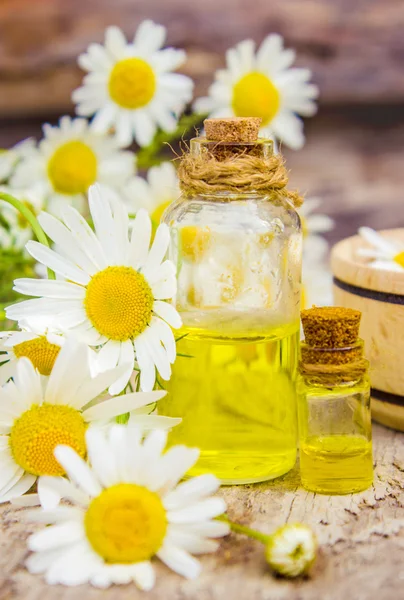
x: 238, y: 258
x: 334, y: 403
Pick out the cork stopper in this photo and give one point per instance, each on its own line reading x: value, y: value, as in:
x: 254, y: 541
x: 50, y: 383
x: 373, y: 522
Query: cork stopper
x: 331, y: 326
x: 233, y: 129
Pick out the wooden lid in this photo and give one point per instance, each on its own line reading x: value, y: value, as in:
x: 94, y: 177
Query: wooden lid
x: 350, y: 268
x: 233, y: 129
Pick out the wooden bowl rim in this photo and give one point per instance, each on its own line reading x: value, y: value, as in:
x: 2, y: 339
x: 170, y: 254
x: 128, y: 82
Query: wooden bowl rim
x: 354, y: 270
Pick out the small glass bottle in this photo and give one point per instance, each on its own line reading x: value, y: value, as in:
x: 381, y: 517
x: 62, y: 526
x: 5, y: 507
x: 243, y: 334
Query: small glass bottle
x: 334, y: 403
x: 238, y: 257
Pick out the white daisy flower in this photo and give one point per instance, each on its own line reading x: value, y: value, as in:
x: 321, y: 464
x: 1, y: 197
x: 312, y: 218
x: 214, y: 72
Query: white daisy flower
x: 156, y: 193
x: 383, y: 254
x: 69, y: 159
x: 262, y: 85
x: 292, y: 549
x: 123, y: 511
x: 313, y: 225
x: 39, y: 344
x: 16, y: 230
x: 9, y: 158
x: 109, y: 290
x: 130, y: 86
x: 316, y: 273
x: 37, y: 415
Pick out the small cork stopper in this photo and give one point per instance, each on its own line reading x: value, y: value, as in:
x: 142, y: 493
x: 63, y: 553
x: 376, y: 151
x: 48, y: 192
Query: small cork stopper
x: 233, y: 129
x: 331, y: 326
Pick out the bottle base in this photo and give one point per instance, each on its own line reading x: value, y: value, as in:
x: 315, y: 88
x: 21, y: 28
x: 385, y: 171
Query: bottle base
x: 238, y: 468
x: 336, y: 487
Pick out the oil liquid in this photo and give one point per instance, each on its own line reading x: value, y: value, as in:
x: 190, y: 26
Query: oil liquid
x: 237, y: 401
x: 336, y: 464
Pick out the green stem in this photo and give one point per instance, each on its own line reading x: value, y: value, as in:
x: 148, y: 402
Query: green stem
x: 122, y: 419
x: 244, y: 530
x: 149, y: 155
x: 32, y: 220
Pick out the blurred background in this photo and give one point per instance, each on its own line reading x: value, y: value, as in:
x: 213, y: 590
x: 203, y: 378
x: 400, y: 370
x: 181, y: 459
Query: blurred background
x: 354, y: 155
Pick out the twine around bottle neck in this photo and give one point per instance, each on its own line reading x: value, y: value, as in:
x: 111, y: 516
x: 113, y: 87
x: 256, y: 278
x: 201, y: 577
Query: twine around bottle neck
x: 236, y: 170
x: 333, y: 366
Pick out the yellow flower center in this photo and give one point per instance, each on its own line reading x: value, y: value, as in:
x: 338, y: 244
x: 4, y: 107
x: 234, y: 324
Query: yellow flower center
x: 158, y: 213
x: 119, y: 303
x: 399, y: 259
x: 132, y: 83
x: 72, y: 168
x: 126, y: 523
x: 254, y: 95
x: 36, y: 433
x: 194, y: 242
x: 40, y: 352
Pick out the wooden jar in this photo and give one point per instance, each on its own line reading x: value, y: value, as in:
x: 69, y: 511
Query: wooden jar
x: 379, y: 294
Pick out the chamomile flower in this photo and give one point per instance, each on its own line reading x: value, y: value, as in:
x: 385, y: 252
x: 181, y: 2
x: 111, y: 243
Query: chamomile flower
x: 292, y: 549
x: 124, y: 510
x: 316, y: 285
x: 130, y: 86
x: 156, y: 193
x: 37, y: 415
x: 262, y: 84
x: 383, y: 253
x: 314, y: 224
x: 40, y: 345
x: 10, y: 158
x: 110, y: 291
x: 15, y: 230
x: 69, y: 159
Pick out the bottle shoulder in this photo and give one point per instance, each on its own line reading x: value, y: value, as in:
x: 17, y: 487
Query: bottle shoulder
x: 252, y: 211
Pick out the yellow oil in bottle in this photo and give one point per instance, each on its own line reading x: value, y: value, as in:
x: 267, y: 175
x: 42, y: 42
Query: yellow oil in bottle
x: 336, y: 464
x: 237, y: 401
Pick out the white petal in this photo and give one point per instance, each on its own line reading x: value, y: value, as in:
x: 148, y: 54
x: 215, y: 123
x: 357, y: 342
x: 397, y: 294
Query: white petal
x: 49, y: 288
x: 166, y: 336
x: 140, y: 239
x: 212, y: 529
x: 66, y: 242
x: 146, y: 364
x: 120, y: 405
x: 51, y: 488
x: 56, y: 536
x: 190, y: 542
x: 179, y: 561
x: 108, y: 356
x: 77, y: 470
x: 175, y: 463
x: 85, y: 237
x: 24, y: 483
x: 101, y: 458
x: 144, y: 575
x: 167, y: 312
x: 191, y: 491
x: 57, y: 263
x: 205, y: 509
x: 158, y: 250
x: 72, y: 358
x: 127, y: 358
x: 97, y: 385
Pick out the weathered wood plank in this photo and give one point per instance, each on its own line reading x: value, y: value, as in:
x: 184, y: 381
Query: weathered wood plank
x: 362, y: 539
x: 355, y: 49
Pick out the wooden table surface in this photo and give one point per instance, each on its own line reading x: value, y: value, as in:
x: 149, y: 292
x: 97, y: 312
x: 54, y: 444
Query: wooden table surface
x: 361, y: 537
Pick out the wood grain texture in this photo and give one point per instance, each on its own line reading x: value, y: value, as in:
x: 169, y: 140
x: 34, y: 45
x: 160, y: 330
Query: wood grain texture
x: 355, y: 49
x: 361, y: 536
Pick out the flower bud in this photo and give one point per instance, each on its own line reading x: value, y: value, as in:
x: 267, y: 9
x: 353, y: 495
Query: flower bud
x: 291, y: 550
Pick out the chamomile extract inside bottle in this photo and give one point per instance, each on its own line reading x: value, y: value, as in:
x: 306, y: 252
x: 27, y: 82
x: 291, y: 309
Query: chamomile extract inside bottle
x: 238, y: 257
